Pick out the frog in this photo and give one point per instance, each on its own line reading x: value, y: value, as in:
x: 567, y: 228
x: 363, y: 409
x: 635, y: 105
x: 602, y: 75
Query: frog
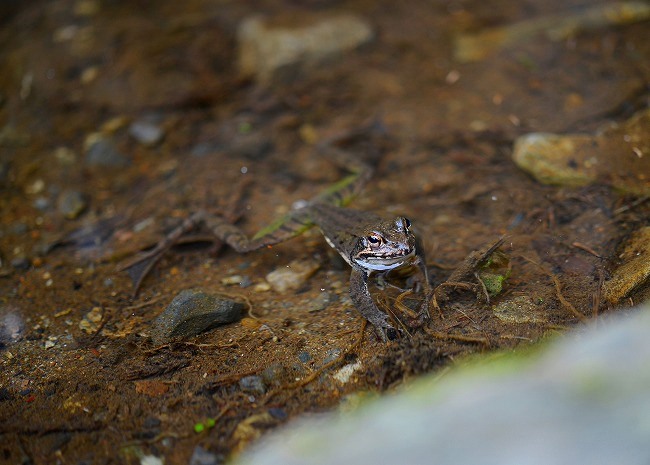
x: 369, y: 243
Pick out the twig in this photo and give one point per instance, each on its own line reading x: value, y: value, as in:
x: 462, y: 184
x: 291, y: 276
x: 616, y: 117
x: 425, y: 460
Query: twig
x: 145, y: 304
x: 558, y: 291
x: 579, y: 245
x: 485, y: 291
x: 458, y: 337
x: 597, y: 295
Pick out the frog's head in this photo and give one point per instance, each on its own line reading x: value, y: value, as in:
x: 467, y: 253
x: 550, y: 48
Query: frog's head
x: 388, y: 245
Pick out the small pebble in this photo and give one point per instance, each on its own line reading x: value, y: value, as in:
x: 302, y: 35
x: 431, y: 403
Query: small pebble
x: 102, y: 152
x: 20, y: 263
x: 253, y: 384
x: 321, y: 302
x: 234, y: 280
x: 202, y: 456
x: 41, y: 203
x: 304, y: 356
x: 292, y: 276
x: 90, y: 322
x: 65, y: 156
x: 344, y: 374
x: 146, y: 132
x: 71, y: 204
x: 275, y: 374
x: 262, y: 287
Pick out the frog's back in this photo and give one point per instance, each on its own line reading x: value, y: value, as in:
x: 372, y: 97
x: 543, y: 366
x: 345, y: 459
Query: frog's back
x: 334, y: 220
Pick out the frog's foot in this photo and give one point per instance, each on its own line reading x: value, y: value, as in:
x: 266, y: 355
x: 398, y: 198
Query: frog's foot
x: 385, y: 331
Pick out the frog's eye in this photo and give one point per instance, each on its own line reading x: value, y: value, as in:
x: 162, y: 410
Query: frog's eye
x: 374, y: 239
x: 407, y: 223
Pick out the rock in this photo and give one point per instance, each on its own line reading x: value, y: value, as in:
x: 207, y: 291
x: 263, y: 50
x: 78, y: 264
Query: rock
x: 266, y: 50
x: 304, y: 356
x: 634, y: 270
x: 90, y: 322
x: 584, y: 399
x: 146, y: 132
x: 236, y: 280
x: 275, y: 374
x: 253, y: 384
x: 71, y: 204
x: 344, y: 374
x: 202, y: 456
x: 12, y: 326
x: 292, y: 276
x: 102, y: 152
x: 262, y: 287
x: 252, y: 146
x: 193, y: 312
x: 478, y: 46
x: 618, y: 155
x: 518, y: 310
x: 20, y: 263
x: 321, y: 302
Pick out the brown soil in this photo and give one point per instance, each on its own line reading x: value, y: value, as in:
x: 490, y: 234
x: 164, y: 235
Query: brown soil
x: 107, y: 394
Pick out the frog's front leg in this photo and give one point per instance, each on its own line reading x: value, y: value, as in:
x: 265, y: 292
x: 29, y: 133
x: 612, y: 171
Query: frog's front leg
x: 362, y: 299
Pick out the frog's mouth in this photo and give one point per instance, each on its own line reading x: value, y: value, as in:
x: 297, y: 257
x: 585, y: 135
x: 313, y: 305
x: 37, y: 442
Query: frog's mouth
x: 387, y: 261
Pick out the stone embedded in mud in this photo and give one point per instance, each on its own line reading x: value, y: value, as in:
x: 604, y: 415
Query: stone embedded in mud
x: 12, y: 326
x: 91, y: 320
x: 519, y: 310
x: 71, y: 204
x: 266, y: 50
x: 202, y: 456
x: 321, y: 302
x: 634, y: 270
x: 193, y: 312
x: 253, y: 384
x: 102, y: 152
x: 146, y: 132
x: 617, y: 155
x: 292, y: 276
x: 344, y: 374
x: 478, y: 46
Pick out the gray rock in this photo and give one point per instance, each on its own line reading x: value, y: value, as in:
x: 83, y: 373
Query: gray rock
x: 265, y: 50
x: 20, y: 263
x: 102, y: 152
x: 193, y: 312
x: 252, y: 146
x: 12, y: 326
x: 146, y: 132
x: 253, y: 384
x: 41, y: 203
x: 304, y: 356
x: 321, y: 302
x: 201, y: 456
x: 71, y: 204
x: 584, y: 400
x: 275, y: 374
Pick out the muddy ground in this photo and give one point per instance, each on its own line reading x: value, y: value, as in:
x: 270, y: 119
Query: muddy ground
x: 81, y: 380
